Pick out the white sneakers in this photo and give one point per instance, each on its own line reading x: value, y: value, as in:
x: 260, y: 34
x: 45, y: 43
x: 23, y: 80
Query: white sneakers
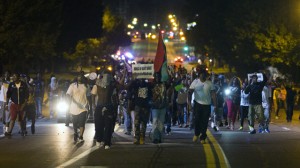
x: 101, y: 144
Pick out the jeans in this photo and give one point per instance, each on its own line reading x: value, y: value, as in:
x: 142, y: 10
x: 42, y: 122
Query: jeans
x: 267, y: 116
x: 181, y: 114
x: 127, y: 120
x: 158, y: 123
x: 38, y: 106
x: 202, y: 113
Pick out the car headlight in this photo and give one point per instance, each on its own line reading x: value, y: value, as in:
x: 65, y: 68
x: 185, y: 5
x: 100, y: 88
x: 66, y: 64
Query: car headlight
x: 62, y: 106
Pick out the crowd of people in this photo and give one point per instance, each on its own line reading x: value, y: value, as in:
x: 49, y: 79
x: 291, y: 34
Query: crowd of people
x: 187, y: 100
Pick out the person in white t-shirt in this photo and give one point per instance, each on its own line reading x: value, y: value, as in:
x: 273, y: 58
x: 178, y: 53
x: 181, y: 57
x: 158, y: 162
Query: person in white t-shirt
x: 204, y: 93
x: 5, y: 115
x: 266, y: 96
x: 77, y: 93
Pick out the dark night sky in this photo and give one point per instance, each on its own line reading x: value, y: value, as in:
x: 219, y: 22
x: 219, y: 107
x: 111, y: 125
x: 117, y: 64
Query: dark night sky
x: 150, y: 10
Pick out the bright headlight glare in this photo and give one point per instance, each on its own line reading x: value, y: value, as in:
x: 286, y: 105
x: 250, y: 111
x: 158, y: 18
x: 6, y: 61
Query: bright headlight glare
x: 62, y: 106
x: 227, y: 92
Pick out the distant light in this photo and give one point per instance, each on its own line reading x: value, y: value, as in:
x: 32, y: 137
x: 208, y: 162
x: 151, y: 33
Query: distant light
x: 182, y: 38
x: 153, y: 36
x: 128, y: 55
x: 153, y: 27
x: 210, y: 60
x: 109, y: 68
x: 166, y: 40
x: 170, y: 16
x: 181, y: 33
x: 123, y: 57
x: 172, y: 20
x: 162, y: 31
x: 185, y: 48
x: 145, y: 25
x: 199, y: 61
x: 118, y: 52
x: 174, y: 28
x: 128, y: 33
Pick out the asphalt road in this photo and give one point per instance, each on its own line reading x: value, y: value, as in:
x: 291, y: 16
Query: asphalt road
x: 52, y: 146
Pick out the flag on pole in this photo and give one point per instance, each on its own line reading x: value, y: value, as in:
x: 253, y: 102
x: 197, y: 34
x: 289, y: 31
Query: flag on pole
x: 160, y: 61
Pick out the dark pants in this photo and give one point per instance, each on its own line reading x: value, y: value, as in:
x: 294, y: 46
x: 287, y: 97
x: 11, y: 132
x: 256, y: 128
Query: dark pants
x: 79, y: 121
x: 141, y: 117
x: 202, y: 113
x: 244, y: 114
x: 103, y: 119
x: 289, y: 111
x: 169, y: 118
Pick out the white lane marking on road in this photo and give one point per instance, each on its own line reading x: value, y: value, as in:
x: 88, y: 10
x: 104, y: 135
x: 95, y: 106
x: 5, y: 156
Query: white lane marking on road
x: 93, y: 167
x: 76, y: 158
x: 285, y: 128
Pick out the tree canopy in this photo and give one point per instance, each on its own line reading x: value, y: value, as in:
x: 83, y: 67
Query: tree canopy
x: 249, y: 35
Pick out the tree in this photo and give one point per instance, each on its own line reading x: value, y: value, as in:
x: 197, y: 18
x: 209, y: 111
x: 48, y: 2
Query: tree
x: 249, y: 35
x: 29, y: 31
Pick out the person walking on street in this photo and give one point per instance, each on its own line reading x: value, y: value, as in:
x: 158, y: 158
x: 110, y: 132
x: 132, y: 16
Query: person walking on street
x: 39, y: 89
x: 159, y: 107
x: 5, y: 114
x: 104, y: 114
x: 244, y: 106
x: 53, y: 92
x: 77, y: 94
x: 142, y: 95
x: 233, y: 98
x: 254, y: 89
x: 290, y: 102
x: 204, y: 94
x: 266, y: 95
x: 18, y: 94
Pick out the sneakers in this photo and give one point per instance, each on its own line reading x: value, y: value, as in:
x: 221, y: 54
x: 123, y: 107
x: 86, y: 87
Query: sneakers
x: 100, y: 144
x: 81, y: 139
x: 75, y: 137
x: 252, y: 132
x: 241, y: 128
x: 155, y: 141
x: 142, y: 140
x: 7, y: 133
x: 216, y: 128
x: 169, y: 133
x: 128, y: 133
x: 195, y: 138
x: 267, y: 130
x: 32, y: 129
x: 107, y: 147
x: 136, y: 141
x: 202, y: 141
x: 261, y: 130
